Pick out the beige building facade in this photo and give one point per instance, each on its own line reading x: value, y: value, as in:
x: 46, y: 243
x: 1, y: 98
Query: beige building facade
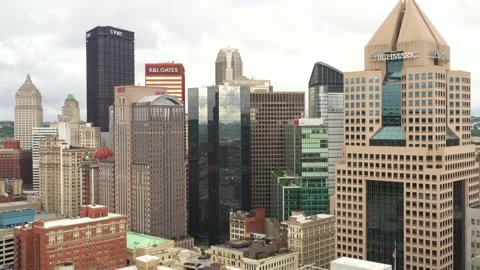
x: 150, y: 178
x: 260, y: 255
x: 313, y: 237
x: 61, y: 177
x: 408, y: 168
x: 270, y: 113
x: 228, y: 65
x: 28, y: 112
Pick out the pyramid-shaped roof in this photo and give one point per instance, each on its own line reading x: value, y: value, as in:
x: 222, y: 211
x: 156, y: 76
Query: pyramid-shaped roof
x: 70, y: 97
x: 28, y: 86
x: 406, y: 23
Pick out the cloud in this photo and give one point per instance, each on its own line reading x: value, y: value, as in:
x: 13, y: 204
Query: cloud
x: 278, y: 40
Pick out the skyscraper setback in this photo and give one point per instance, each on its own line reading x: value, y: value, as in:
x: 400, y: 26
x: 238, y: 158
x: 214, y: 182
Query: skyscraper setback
x: 110, y: 63
x: 408, y: 169
x: 228, y: 66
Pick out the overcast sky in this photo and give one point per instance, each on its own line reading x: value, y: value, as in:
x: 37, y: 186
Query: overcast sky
x: 278, y: 40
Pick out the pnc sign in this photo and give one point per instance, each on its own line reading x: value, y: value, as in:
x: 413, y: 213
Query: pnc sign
x: 120, y: 89
x: 392, y: 56
x: 163, y: 70
x: 116, y: 32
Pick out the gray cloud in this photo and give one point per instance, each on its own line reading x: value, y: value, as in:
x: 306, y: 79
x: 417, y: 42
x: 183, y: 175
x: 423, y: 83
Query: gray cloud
x: 279, y: 40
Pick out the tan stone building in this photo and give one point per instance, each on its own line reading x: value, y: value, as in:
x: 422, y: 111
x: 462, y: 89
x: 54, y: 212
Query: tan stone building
x: 60, y: 171
x: 150, y: 183
x: 258, y: 255
x: 408, y: 168
x: 313, y: 237
x: 270, y: 113
x: 28, y: 112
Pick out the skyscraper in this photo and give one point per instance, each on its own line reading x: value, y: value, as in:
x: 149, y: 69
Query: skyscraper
x: 219, y: 158
x: 70, y: 111
x: 408, y: 170
x: 110, y: 62
x: 325, y: 100
x: 150, y: 185
x: 228, y: 66
x: 167, y: 75
x: 28, y: 112
x: 270, y: 114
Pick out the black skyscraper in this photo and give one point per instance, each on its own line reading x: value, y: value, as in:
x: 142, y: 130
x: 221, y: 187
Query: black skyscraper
x: 110, y: 62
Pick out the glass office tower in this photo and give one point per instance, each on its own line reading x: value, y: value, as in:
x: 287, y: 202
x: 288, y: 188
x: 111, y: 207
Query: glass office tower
x: 325, y: 100
x: 219, y: 158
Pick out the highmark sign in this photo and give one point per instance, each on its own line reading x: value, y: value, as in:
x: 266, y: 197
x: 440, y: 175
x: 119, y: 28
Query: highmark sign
x: 392, y: 56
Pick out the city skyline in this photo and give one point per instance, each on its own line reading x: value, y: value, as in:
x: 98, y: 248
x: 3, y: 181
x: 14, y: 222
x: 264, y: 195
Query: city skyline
x: 27, y: 48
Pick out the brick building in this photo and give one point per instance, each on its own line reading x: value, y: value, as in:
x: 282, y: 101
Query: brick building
x: 95, y: 240
x: 15, y: 162
x: 242, y: 224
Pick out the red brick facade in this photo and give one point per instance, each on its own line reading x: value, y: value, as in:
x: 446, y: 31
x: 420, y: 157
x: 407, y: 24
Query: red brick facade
x: 16, y: 162
x: 255, y: 224
x: 96, y: 240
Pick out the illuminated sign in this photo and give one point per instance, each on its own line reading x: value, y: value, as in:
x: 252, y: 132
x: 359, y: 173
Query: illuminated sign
x: 440, y: 55
x: 163, y: 70
x: 121, y: 89
x: 392, y: 56
x: 116, y: 33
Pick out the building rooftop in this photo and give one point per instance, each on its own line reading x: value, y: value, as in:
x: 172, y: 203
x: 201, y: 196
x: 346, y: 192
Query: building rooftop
x: 139, y: 240
x: 78, y: 221
x: 146, y: 258
x: 306, y: 219
x: 19, y: 204
x: 344, y: 261
x: 160, y: 100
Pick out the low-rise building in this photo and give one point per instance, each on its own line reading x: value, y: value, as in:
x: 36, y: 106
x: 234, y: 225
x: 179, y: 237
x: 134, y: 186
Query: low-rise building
x: 345, y: 263
x: 97, y: 239
x: 243, y: 223
x: 254, y: 255
x: 472, y: 238
x: 15, y: 163
x: 141, y: 244
x: 313, y: 237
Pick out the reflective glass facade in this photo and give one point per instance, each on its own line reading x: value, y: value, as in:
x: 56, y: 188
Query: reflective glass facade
x: 219, y: 157
x: 385, y: 222
x: 325, y: 100
x: 110, y: 63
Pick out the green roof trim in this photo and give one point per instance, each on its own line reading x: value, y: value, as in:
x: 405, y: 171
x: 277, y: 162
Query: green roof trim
x: 139, y: 240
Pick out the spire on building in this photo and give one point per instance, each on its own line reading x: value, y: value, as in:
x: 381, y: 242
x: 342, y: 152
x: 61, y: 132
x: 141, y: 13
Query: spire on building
x: 28, y: 85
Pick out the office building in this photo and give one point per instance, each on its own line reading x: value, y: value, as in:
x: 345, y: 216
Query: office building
x: 313, y: 237
x: 244, y: 223
x: 325, y: 100
x: 110, y: 62
x: 245, y: 254
x: 307, y: 156
x: 141, y: 244
x: 81, y: 133
x: 12, y: 187
x: 170, y: 76
x: 228, y: 66
x: 106, y: 177
x: 408, y: 169
x: 150, y: 184
x: 28, y: 112
x: 61, y: 177
x: 219, y: 158
x: 39, y: 134
x: 255, y: 85
x: 270, y: 114
x: 472, y: 238
x: 95, y: 240
x: 16, y: 162
x: 286, y: 194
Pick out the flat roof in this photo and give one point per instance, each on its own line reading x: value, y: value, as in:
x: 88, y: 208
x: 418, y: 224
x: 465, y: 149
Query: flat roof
x: 78, y: 221
x: 307, y: 219
x: 139, y: 240
x: 17, y: 204
x: 344, y: 261
x: 146, y: 258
